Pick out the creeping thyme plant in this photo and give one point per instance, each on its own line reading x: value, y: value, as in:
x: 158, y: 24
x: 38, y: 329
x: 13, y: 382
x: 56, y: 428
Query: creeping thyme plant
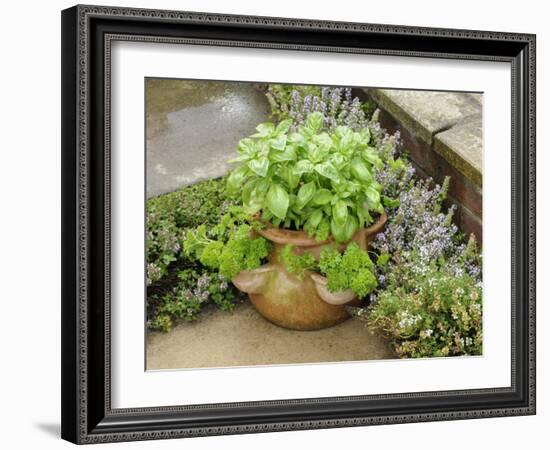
x: 325, y: 166
x: 430, y: 299
x: 178, y: 287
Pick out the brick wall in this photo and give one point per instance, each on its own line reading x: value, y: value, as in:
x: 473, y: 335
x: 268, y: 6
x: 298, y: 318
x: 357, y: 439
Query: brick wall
x: 436, y: 158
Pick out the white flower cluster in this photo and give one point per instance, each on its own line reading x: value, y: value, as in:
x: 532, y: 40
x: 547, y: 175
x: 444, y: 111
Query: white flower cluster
x: 407, y: 320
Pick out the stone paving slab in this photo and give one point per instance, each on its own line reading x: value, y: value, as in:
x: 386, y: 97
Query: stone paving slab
x: 462, y: 147
x: 244, y: 338
x: 193, y: 128
x: 449, y: 123
x: 425, y: 113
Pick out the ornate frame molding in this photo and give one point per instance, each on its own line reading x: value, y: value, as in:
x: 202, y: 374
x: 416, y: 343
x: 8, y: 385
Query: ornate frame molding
x: 86, y: 422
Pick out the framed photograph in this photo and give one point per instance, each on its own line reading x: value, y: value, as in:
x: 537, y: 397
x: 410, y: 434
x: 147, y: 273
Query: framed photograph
x: 282, y: 224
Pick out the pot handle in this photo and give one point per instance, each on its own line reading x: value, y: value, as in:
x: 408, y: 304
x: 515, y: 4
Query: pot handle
x: 253, y: 281
x: 332, y: 298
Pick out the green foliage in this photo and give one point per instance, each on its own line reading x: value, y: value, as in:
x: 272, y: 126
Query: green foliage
x: 230, y: 247
x: 195, y: 288
x: 308, y: 179
x: 279, y: 97
x: 297, y: 264
x: 241, y: 252
x: 178, y: 286
x: 351, y: 270
x: 438, y: 314
x: 169, y: 215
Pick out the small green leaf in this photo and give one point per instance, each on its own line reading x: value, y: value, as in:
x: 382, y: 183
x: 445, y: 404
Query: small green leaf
x: 383, y: 259
x: 288, y: 154
x: 236, y: 179
x: 373, y: 197
x: 365, y: 136
x: 322, y: 197
x: 360, y: 170
x: 277, y: 201
x: 298, y: 139
x: 371, y: 155
x: 344, y: 232
x: 283, y: 126
x: 337, y: 230
x: 252, y: 203
x: 278, y: 142
x: 314, y: 121
x: 390, y: 202
x: 327, y: 170
x: 259, y: 166
x: 246, y: 146
x: 305, y: 194
x: 350, y: 228
x: 303, y: 166
x: 314, y: 220
x: 264, y: 130
x: 340, y: 212
x: 291, y: 178
x: 323, y: 140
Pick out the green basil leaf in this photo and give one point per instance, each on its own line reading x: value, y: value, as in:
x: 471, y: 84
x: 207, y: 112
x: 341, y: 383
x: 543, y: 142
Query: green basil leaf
x: 337, y: 230
x: 288, y: 154
x: 261, y: 188
x: 373, y: 198
x: 252, y: 203
x: 264, y: 130
x: 383, y: 259
x: 360, y: 170
x: 236, y: 179
x: 314, y: 219
x: 283, y: 126
x: 323, y: 140
x: 277, y: 201
x: 278, y: 142
x: 350, y: 228
x: 314, y: 122
x: 239, y: 159
x: 291, y: 178
x: 371, y: 155
x: 390, y: 202
x: 305, y: 194
x: 303, y: 166
x: 322, y: 197
x: 259, y: 166
x: 298, y: 139
x: 365, y: 136
x: 340, y: 212
x: 327, y: 170
x: 338, y: 160
x: 246, y: 146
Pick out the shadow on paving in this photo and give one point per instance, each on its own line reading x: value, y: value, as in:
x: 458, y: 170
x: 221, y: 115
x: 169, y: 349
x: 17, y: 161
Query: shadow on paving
x: 244, y: 338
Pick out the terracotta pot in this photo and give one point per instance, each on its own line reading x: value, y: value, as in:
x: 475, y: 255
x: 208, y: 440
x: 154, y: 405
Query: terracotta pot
x: 333, y: 298
x: 299, y: 303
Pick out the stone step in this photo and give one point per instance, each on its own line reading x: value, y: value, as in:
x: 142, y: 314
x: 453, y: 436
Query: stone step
x: 443, y: 131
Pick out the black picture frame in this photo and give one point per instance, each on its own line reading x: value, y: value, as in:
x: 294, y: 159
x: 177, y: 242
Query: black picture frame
x: 87, y: 32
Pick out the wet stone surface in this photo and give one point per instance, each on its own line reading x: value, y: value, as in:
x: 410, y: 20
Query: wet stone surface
x: 193, y: 128
x: 244, y: 338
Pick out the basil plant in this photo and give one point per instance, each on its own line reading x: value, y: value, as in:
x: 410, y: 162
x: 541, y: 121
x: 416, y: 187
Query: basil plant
x: 311, y: 180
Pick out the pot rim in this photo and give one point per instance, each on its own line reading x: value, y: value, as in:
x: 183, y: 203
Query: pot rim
x: 302, y: 239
